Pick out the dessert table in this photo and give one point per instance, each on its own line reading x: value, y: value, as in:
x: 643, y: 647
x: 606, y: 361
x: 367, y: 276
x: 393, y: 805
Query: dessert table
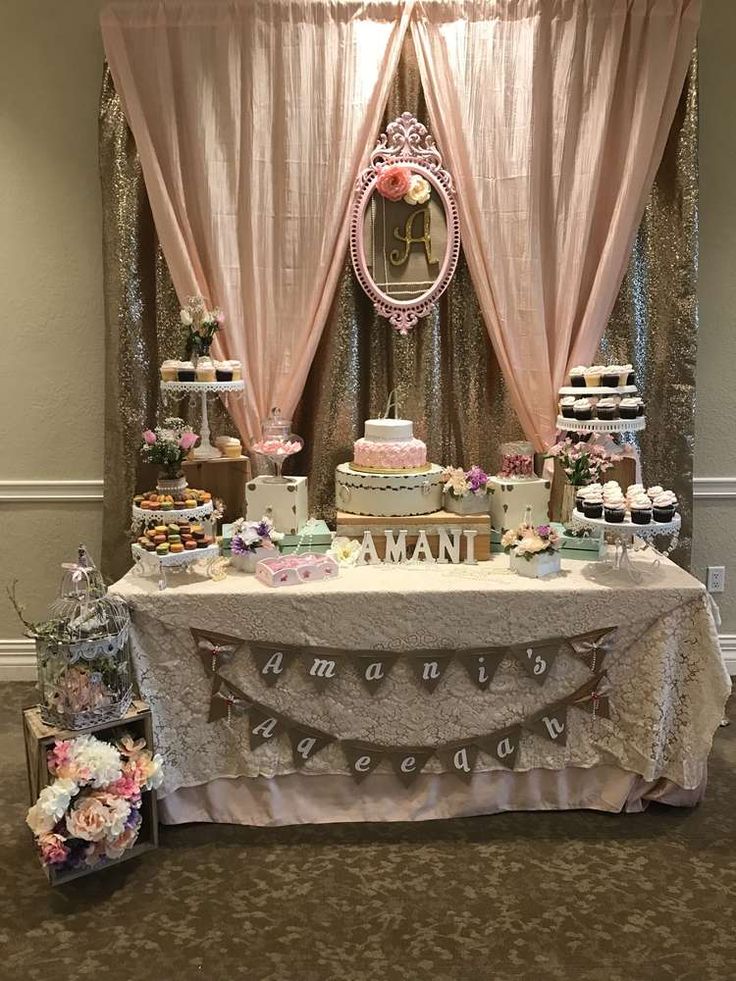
x: 664, y: 676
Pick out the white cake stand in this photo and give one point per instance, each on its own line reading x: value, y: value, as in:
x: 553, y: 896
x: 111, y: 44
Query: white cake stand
x: 625, y: 533
x: 151, y: 564
x: 205, y: 450
x: 602, y: 425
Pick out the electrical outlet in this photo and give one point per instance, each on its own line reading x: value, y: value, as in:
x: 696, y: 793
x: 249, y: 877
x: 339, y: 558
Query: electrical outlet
x: 715, y: 580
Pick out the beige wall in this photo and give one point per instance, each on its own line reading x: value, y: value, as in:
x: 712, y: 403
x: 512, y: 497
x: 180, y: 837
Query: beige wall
x: 51, y: 359
x: 51, y: 379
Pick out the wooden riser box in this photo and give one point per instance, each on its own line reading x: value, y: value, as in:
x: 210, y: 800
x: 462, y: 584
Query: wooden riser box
x: 39, y: 739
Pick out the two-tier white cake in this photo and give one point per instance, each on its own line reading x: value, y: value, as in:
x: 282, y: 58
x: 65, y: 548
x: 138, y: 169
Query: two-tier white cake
x: 389, y: 474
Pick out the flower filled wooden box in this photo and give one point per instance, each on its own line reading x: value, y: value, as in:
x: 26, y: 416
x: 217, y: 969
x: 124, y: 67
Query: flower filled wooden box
x: 40, y: 740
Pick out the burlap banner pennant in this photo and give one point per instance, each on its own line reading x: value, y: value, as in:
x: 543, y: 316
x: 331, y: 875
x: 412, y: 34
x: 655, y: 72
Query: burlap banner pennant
x: 550, y: 723
x: 538, y: 657
x: 408, y: 763
x: 306, y: 742
x: 502, y: 745
x: 429, y: 666
x: 362, y: 759
x: 321, y: 666
x: 263, y: 726
x: 592, y: 647
x: 482, y: 664
x: 593, y: 697
x: 373, y: 667
x: 226, y: 700
x: 272, y: 660
x: 214, y: 649
x: 460, y: 759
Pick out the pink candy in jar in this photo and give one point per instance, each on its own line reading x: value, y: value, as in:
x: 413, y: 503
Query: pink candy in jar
x: 517, y: 460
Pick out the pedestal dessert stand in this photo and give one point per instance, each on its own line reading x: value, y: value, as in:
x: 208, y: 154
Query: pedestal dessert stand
x: 625, y: 534
x: 151, y: 564
x: 205, y: 450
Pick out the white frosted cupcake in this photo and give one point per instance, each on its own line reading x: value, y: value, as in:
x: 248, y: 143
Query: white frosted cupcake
x: 577, y: 376
x: 205, y: 370
x: 640, y: 508
x: 628, y: 408
x: 186, y: 371
x: 223, y: 371
x: 606, y: 408
x: 567, y: 407
x: 169, y: 371
x: 652, y: 492
x: 230, y: 446
x: 236, y: 370
x: 593, y: 375
x: 615, y: 511
x: 663, y: 506
x: 583, y: 409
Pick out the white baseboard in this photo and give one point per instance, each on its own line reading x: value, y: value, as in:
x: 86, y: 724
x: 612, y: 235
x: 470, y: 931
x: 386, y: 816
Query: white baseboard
x: 18, y: 658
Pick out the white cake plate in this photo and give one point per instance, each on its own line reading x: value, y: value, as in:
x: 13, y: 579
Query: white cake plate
x: 205, y: 450
x: 141, y: 515
x: 151, y: 564
x: 581, y: 392
x: 602, y: 425
x: 625, y: 534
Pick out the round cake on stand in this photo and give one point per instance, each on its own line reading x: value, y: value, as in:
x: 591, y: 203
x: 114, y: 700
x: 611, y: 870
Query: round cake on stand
x: 389, y: 474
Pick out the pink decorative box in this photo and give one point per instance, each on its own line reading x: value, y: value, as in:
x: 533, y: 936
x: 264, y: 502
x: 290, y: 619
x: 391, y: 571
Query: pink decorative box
x: 290, y: 570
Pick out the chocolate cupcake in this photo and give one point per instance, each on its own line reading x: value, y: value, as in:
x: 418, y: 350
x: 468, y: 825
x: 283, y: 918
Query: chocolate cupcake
x: 577, y: 376
x: 583, y: 409
x: 186, y: 371
x: 593, y: 506
x: 606, y: 408
x: 615, y: 511
x: 629, y: 408
x: 223, y: 371
x: 628, y: 369
x: 640, y: 509
x: 609, y: 378
x: 664, y: 506
x: 567, y: 410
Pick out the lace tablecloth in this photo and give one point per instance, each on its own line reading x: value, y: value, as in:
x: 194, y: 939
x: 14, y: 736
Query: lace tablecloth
x: 668, y: 683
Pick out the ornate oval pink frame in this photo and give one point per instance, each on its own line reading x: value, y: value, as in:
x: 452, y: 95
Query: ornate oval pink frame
x: 406, y: 141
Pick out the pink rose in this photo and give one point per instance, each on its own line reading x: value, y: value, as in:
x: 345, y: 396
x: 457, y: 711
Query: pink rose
x: 394, y: 182
x: 149, y: 436
x: 88, y: 820
x: 187, y: 441
x: 53, y: 850
x: 126, y: 787
x: 124, y: 841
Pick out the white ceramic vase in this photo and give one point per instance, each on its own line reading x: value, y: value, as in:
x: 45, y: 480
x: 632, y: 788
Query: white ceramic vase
x: 540, y: 565
x: 176, y: 485
x: 249, y: 561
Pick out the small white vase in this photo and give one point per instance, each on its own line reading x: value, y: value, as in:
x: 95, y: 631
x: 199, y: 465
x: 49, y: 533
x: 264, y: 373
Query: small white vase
x: 543, y: 564
x: 249, y: 561
x: 467, y: 504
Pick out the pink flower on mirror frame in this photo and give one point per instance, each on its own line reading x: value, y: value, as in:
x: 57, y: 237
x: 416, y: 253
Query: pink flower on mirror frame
x: 188, y: 440
x: 149, y: 436
x: 393, y: 182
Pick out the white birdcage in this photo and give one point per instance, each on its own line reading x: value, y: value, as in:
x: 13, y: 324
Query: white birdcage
x: 83, y: 658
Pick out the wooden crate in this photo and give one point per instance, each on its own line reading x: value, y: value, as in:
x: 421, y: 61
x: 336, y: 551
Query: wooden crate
x: 353, y: 526
x: 225, y: 478
x: 39, y: 738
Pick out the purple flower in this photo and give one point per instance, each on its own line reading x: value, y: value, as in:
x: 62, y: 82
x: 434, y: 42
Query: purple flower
x: 476, y: 478
x: 543, y: 531
x: 264, y: 528
x: 238, y: 546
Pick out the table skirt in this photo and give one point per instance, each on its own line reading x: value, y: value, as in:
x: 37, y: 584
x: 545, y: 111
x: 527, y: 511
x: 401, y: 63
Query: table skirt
x: 299, y: 798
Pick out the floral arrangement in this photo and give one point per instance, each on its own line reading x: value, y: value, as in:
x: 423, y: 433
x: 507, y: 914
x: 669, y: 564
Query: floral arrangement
x: 397, y: 182
x: 91, y: 812
x: 529, y: 540
x: 251, y: 535
x: 583, y: 463
x: 344, y: 550
x: 168, y: 445
x: 460, y: 482
x: 203, y: 324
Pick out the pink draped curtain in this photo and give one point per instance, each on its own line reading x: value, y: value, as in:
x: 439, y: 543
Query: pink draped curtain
x: 552, y: 116
x: 252, y: 120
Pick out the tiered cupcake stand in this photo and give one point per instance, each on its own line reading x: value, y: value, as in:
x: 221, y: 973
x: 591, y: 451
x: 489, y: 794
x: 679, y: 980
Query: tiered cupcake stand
x: 151, y: 564
x: 205, y: 450
x: 600, y: 425
x: 628, y: 536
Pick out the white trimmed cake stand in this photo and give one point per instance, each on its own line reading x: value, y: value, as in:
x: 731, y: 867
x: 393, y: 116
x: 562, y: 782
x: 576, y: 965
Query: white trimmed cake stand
x: 602, y: 425
x: 150, y: 564
x: 205, y: 450
x: 625, y: 534
x: 143, y: 516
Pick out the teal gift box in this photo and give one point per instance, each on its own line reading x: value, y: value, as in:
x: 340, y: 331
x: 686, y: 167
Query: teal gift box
x: 314, y: 537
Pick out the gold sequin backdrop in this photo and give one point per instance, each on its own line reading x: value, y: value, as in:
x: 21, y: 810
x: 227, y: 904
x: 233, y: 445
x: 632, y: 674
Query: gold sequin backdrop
x: 446, y: 373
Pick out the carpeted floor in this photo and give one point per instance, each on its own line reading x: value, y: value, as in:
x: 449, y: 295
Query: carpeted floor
x: 530, y: 896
